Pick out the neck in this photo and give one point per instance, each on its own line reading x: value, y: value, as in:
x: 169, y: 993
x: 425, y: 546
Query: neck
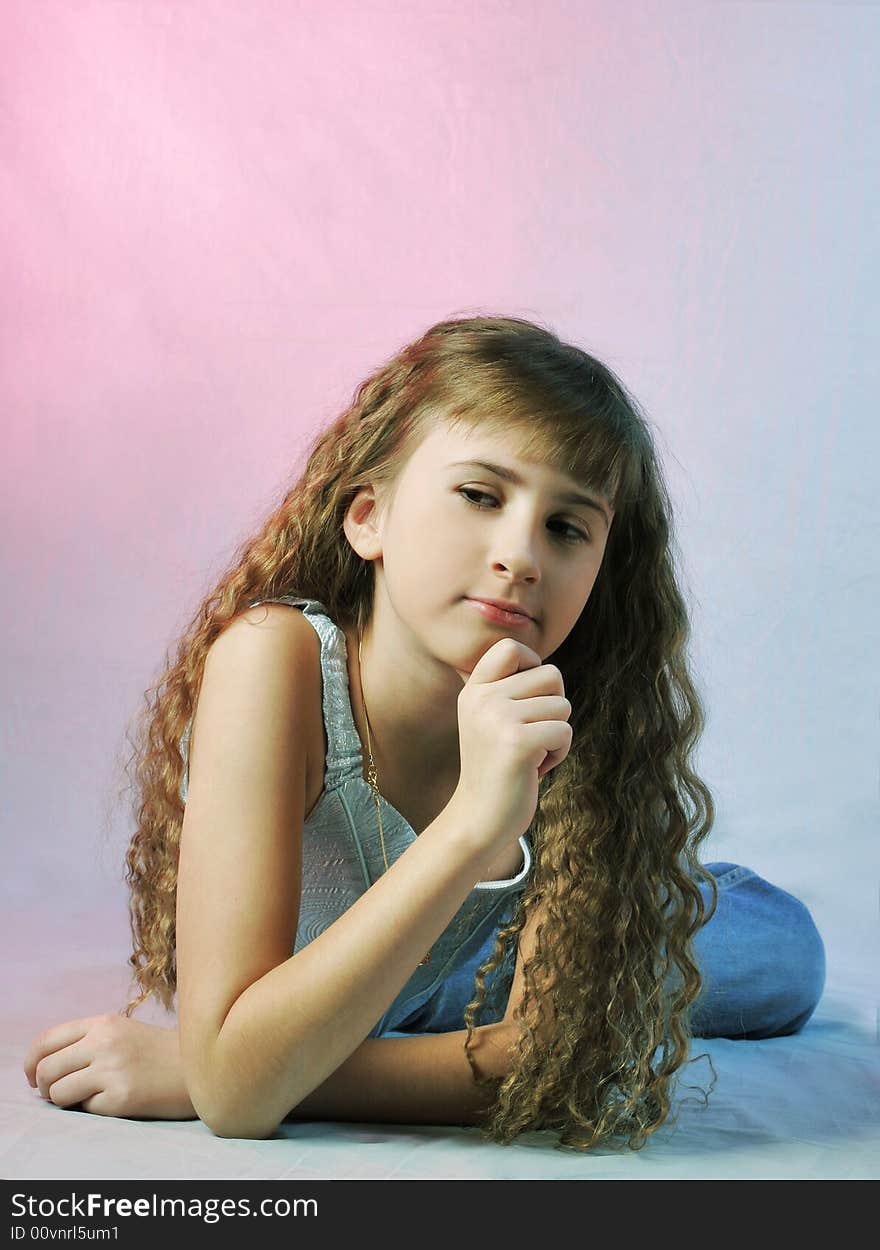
x: 414, y: 741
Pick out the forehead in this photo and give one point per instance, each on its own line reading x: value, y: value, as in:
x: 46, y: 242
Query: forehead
x: 446, y: 444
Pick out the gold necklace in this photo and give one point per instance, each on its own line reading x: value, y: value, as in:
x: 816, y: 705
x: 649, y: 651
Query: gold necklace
x: 373, y: 776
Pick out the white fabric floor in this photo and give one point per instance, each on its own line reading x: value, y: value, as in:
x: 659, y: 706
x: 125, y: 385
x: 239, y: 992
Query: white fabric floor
x: 800, y: 1107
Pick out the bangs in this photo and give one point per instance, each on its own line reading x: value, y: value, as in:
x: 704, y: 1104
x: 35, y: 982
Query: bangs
x: 591, y: 444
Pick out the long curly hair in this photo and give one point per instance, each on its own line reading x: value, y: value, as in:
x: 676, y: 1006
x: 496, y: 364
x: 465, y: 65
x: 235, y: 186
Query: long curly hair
x: 603, y: 1026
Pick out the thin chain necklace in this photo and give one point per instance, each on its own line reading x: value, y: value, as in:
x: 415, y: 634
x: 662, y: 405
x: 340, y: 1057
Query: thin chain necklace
x: 373, y: 776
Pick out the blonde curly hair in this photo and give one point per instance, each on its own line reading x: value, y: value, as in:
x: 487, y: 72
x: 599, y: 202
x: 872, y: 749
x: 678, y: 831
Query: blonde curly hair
x: 618, y: 823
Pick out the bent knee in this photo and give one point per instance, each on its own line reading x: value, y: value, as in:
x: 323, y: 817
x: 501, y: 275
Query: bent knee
x: 801, y: 965
x: 763, y: 960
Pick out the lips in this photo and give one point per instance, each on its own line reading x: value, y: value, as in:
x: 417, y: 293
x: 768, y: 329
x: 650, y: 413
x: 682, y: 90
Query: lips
x: 504, y: 607
x: 504, y: 617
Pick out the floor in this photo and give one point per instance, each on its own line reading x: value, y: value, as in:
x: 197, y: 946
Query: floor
x: 799, y: 1107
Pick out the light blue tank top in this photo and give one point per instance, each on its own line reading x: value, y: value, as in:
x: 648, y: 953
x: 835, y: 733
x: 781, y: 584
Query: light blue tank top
x: 342, y: 850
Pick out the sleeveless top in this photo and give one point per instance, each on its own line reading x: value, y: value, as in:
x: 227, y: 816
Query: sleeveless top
x: 342, y: 850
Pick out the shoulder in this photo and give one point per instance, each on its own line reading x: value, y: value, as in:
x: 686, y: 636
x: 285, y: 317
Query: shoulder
x: 262, y: 679
x: 268, y: 639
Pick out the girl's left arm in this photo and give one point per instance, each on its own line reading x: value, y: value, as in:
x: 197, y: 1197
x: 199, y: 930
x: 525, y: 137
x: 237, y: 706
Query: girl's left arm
x: 423, y: 1079
x: 111, y: 1065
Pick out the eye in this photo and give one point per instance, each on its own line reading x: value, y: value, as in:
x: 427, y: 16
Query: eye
x: 575, y: 535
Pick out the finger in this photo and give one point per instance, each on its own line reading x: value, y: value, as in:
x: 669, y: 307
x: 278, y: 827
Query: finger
x: 551, y: 760
x: 103, y: 1103
x: 504, y: 658
x: 74, y: 1087
x: 553, y: 737
x: 60, y: 1063
x: 54, y: 1039
x: 540, y: 679
x: 531, y: 708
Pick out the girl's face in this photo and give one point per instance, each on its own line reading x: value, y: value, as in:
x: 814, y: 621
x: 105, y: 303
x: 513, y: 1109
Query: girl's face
x: 454, y: 532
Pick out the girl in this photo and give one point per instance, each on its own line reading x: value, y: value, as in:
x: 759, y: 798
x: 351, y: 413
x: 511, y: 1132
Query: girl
x: 417, y: 827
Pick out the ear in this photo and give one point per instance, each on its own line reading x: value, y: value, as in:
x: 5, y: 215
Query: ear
x: 363, y: 523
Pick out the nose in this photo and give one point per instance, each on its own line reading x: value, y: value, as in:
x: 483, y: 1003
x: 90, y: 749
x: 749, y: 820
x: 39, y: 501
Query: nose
x: 519, y: 559
x: 516, y: 543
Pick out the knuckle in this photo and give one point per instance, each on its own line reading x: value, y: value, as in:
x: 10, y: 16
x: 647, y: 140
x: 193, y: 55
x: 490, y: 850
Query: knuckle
x: 54, y: 1095
x: 479, y: 700
x: 104, y: 1029
x: 118, y: 1099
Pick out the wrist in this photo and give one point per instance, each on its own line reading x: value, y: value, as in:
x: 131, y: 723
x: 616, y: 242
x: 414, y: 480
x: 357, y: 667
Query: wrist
x: 169, y: 1099
x: 463, y: 831
x: 484, y: 850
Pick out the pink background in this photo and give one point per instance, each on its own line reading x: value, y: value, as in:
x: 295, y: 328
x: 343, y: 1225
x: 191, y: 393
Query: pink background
x: 217, y: 217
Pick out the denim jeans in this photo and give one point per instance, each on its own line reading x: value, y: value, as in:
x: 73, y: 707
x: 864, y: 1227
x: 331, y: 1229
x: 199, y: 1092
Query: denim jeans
x: 761, y: 957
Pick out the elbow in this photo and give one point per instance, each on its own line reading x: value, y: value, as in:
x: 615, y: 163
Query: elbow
x: 228, y: 1100
x: 239, y: 1129
x: 226, y: 1121
x: 218, y: 1114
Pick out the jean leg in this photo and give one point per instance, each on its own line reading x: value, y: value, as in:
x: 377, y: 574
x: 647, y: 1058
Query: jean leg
x: 444, y: 1010
x: 761, y: 956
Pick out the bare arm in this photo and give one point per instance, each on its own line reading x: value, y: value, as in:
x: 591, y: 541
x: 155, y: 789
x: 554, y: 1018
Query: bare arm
x: 424, y: 1079
x: 288, y: 1031
x: 260, y: 1030
x: 116, y: 1066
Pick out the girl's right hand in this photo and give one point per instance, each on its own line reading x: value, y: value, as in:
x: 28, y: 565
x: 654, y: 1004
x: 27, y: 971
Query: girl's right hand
x: 513, y: 728
x: 111, y: 1065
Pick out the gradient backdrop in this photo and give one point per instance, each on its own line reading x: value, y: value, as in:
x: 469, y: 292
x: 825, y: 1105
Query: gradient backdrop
x: 217, y: 217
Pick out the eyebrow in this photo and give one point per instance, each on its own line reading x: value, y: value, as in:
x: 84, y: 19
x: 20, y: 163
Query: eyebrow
x: 511, y: 475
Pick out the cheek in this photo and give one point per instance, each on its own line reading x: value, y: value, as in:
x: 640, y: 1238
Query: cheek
x: 427, y: 552
x: 574, y: 591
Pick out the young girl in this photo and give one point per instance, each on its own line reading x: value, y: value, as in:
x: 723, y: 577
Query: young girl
x: 407, y: 855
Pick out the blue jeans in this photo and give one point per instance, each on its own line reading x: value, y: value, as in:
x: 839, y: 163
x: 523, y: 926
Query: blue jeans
x: 761, y: 957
